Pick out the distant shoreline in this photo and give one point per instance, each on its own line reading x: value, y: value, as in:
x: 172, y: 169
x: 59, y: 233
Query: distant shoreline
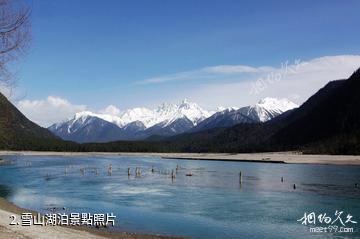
x: 222, y: 158
x: 276, y: 157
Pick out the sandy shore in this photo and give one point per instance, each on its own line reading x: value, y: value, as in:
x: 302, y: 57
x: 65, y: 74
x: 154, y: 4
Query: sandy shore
x: 279, y: 157
x: 286, y: 157
x: 55, y: 232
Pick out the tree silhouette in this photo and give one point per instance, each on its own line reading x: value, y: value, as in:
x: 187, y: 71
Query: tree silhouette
x: 14, y: 36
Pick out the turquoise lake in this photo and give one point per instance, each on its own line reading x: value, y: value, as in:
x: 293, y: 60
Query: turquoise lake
x: 209, y: 204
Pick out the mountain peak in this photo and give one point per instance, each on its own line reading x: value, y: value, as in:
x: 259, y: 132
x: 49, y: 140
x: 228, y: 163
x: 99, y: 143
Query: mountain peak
x: 269, y: 107
x: 222, y: 108
x: 83, y: 115
x: 276, y: 104
x: 168, y: 117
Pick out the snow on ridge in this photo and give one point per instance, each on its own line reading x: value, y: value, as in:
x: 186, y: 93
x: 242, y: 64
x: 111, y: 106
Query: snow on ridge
x: 167, y: 113
x: 82, y: 116
x: 268, y: 107
x: 222, y: 108
x: 277, y: 104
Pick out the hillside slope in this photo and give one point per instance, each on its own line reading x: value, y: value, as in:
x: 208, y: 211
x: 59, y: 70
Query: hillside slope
x: 18, y: 132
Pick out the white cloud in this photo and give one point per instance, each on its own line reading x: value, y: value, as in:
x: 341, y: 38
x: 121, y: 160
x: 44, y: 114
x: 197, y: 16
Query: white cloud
x: 239, y: 85
x: 186, y: 75
x: 297, y: 83
x: 233, y: 69
x: 207, y: 73
x: 244, y: 85
x: 230, y: 85
x: 48, y: 111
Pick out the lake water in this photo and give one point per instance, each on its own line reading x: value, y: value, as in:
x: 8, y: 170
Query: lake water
x: 210, y: 204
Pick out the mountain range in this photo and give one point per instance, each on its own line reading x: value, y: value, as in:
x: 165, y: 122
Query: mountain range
x: 166, y: 120
x: 327, y: 123
x: 266, y: 109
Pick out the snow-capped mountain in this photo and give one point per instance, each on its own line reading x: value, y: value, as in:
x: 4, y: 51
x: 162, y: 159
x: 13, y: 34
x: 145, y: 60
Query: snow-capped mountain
x: 137, y: 123
x: 268, y: 108
x: 143, y: 115
x: 166, y: 120
x: 166, y: 112
x: 169, y: 113
x: 86, y: 128
x: 170, y: 128
x: 264, y: 110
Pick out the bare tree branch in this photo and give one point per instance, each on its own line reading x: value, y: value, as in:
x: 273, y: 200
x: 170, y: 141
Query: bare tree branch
x: 14, y: 35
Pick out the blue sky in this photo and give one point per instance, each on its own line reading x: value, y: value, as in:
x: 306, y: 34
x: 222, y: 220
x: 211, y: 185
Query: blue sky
x: 97, y: 53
